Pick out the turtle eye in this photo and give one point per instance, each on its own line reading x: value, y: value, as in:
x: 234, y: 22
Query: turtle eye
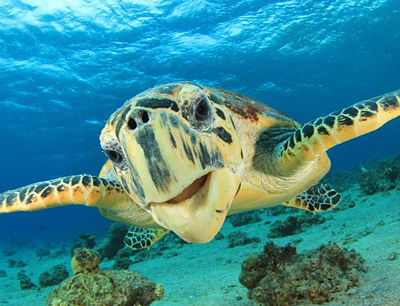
x: 202, y: 110
x: 114, y: 156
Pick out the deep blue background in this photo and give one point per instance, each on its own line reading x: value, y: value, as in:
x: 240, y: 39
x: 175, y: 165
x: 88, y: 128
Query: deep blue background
x: 65, y: 66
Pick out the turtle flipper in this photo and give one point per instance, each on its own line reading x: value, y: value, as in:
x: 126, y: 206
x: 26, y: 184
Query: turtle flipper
x: 79, y: 189
x: 138, y: 238
x: 320, y: 197
x: 317, y: 136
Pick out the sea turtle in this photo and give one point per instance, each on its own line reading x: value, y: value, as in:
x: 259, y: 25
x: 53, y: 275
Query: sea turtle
x: 182, y: 157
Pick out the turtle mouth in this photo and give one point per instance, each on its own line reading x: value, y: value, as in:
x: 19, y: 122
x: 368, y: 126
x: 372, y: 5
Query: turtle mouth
x: 190, y: 190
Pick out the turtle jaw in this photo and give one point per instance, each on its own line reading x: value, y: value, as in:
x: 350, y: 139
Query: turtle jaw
x: 199, y: 217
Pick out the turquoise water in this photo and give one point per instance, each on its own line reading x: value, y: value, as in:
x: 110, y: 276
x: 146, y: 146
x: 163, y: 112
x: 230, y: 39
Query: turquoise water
x: 66, y: 66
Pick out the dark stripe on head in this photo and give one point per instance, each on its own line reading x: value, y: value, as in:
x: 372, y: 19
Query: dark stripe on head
x: 223, y: 134
x: 188, y: 151
x: 171, y: 137
x: 215, y: 99
x: 158, y: 103
x: 156, y: 164
x: 221, y: 114
x: 122, y: 119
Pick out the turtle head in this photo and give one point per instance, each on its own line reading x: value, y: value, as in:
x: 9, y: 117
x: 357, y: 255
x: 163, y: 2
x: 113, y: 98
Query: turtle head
x: 177, y: 153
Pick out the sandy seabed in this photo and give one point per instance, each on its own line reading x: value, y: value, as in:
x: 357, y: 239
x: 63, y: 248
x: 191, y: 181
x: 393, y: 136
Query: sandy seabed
x: 207, y: 274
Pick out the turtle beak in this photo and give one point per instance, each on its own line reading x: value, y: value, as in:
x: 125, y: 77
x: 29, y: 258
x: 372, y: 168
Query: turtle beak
x: 199, y: 217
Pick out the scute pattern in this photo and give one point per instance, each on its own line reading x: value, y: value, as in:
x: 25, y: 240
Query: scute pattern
x: 78, y: 189
x: 320, y: 197
x: 138, y: 238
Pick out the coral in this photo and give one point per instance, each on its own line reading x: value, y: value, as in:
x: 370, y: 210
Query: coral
x: 279, y: 277
x: 239, y: 238
x: 12, y: 263
x: 41, y: 253
x: 280, y: 210
x: 9, y: 252
x: 106, y: 288
x: 122, y: 263
x: 3, y: 273
x: 86, y: 240
x: 245, y: 218
x: 294, y: 225
x: 54, y: 276
x: 24, y: 281
x: 85, y: 260
x: 380, y: 176
x: 114, y: 241
x: 89, y: 240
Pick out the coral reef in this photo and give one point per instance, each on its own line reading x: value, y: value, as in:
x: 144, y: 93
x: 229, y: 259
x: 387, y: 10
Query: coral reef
x: 85, y: 260
x: 54, y: 276
x: 294, y: 225
x: 3, y: 273
x: 239, y: 238
x: 380, y: 176
x: 245, y: 218
x: 92, y: 286
x: 279, y: 277
x: 24, y: 281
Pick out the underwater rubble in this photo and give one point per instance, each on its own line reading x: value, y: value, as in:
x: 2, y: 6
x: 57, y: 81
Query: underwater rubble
x: 91, y: 286
x: 293, y: 225
x: 380, y: 176
x: 280, y: 277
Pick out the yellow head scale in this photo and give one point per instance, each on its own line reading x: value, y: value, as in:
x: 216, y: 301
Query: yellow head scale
x: 178, y: 155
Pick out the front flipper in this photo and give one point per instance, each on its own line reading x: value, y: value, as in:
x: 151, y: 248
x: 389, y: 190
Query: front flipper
x: 315, y: 137
x: 138, y: 238
x: 80, y: 189
x: 320, y: 197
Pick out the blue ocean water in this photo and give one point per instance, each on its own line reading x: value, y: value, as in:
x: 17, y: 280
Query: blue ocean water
x: 65, y: 66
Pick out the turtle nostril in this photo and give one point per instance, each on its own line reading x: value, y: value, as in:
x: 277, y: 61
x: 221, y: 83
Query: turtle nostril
x: 132, y: 124
x: 145, y: 117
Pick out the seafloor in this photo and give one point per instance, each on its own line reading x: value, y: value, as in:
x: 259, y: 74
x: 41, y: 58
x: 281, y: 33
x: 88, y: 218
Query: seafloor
x: 207, y: 274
